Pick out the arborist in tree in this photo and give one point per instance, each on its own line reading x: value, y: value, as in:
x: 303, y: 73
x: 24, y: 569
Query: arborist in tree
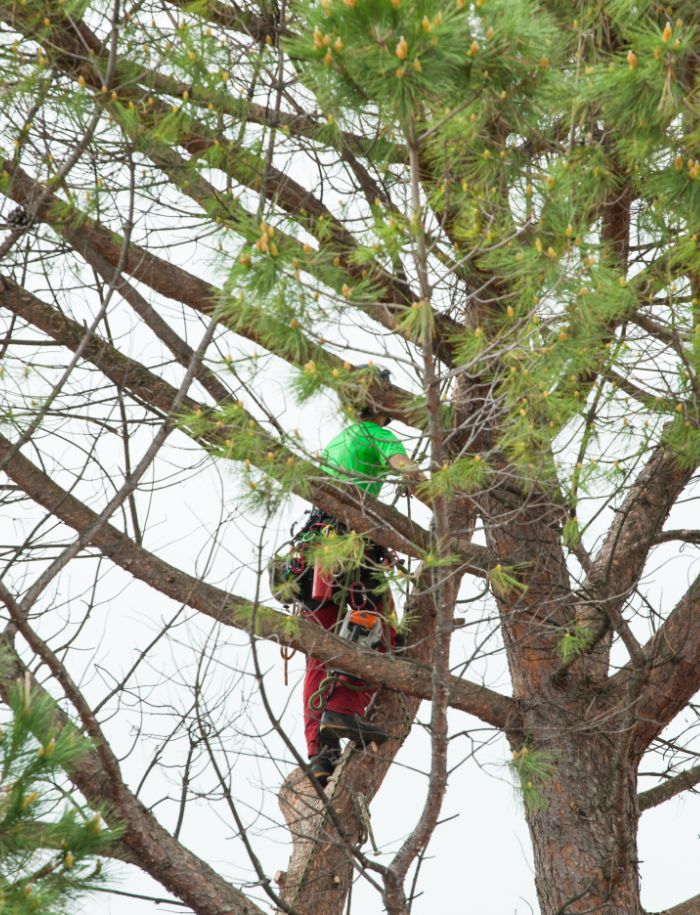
x: 358, y: 606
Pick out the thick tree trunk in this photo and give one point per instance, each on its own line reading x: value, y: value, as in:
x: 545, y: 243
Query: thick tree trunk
x: 573, y: 756
x: 584, y: 835
x: 320, y: 870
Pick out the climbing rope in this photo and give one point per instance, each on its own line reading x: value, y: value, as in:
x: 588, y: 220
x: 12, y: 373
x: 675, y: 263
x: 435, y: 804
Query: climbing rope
x: 319, y: 699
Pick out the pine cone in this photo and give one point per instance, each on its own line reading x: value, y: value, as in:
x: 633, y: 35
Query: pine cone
x: 19, y: 218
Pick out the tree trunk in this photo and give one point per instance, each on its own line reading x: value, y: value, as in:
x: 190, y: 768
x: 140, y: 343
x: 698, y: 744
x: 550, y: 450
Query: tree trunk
x: 584, y: 826
x: 573, y: 757
x: 320, y: 870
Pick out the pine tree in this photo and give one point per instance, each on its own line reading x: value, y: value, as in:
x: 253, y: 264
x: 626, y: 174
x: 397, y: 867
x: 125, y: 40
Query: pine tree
x: 49, y: 842
x: 501, y: 198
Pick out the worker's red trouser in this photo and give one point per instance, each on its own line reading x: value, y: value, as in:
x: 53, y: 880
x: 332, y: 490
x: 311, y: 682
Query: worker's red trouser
x: 342, y: 699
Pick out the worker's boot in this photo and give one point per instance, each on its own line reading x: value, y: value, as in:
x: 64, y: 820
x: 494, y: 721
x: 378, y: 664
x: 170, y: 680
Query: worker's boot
x: 336, y: 725
x: 322, y: 764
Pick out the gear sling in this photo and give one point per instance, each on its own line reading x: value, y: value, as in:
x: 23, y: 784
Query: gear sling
x: 357, y: 607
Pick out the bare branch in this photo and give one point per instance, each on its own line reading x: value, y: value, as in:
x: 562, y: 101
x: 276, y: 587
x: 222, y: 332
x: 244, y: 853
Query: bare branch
x: 689, y: 536
x: 689, y: 907
x: 144, y: 841
x: 674, y: 675
x: 618, y: 564
x: 668, y: 789
x: 232, y: 610
x: 362, y: 513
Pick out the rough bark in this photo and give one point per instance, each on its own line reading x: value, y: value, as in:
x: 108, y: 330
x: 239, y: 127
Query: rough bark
x: 321, y: 866
x: 584, y: 839
x: 582, y: 811
x: 525, y: 528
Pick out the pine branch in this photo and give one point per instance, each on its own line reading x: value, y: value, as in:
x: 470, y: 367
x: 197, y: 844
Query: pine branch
x: 41, y: 834
x: 282, y: 190
x: 300, y: 125
x: 90, y: 238
x: 668, y: 789
x: 671, y: 657
x: 144, y: 840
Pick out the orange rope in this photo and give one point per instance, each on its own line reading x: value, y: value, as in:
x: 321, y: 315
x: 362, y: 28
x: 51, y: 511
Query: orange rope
x: 287, y: 655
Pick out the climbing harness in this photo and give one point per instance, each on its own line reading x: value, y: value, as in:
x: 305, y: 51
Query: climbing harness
x: 293, y: 581
x: 363, y: 628
x: 289, y: 561
x: 286, y: 567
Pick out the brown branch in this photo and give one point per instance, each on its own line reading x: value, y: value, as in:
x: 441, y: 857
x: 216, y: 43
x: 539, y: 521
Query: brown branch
x: 669, y: 338
x: 616, y: 568
x: 144, y: 841
x: 673, y: 671
x: 180, y: 349
x: 232, y: 610
x: 358, y: 510
x: 668, y: 789
x: 689, y: 907
x: 231, y: 16
x: 90, y: 238
x: 688, y: 536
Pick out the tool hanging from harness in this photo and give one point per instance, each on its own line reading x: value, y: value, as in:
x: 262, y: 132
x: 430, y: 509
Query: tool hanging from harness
x: 295, y: 581
x: 364, y: 628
